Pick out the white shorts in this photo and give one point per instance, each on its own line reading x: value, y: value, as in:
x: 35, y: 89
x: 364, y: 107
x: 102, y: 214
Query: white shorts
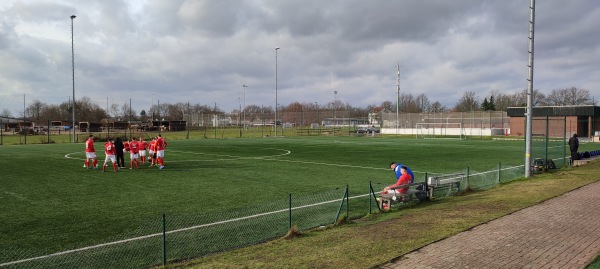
x: 150, y: 152
x: 133, y: 156
x: 143, y: 153
x: 160, y: 154
x: 112, y: 158
x: 392, y: 193
x: 90, y: 155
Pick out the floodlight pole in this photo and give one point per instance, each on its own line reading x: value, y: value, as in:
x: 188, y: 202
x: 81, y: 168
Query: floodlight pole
x: 73, y: 68
x: 317, y: 105
x: 276, y: 102
x: 398, y: 102
x: 529, y: 113
x: 335, y: 105
x: 244, y: 86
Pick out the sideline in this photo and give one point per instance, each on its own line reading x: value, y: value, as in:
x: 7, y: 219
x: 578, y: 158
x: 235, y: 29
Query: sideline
x: 173, y: 231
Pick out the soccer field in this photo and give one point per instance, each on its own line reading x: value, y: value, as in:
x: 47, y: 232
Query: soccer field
x: 50, y: 203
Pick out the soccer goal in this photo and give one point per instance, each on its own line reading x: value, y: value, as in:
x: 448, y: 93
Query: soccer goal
x: 446, y: 130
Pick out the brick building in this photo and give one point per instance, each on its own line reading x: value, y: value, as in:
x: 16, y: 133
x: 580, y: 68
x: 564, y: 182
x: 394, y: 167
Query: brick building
x: 559, y: 121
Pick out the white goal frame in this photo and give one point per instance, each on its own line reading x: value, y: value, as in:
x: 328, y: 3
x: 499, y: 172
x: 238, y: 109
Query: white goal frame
x: 441, y: 130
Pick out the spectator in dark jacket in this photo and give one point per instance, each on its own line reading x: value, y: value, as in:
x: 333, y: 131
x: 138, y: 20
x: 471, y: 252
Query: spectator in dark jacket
x: 120, y: 157
x: 574, y: 146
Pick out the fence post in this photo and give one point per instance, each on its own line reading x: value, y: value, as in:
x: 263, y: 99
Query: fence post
x: 499, y: 169
x: 468, y: 183
x: 370, y: 196
x: 347, y: 202
x: 565, y: 142
x: 547, y: 138
x: 164, y: 242
x: 290, y: 212
x: 337, y: 216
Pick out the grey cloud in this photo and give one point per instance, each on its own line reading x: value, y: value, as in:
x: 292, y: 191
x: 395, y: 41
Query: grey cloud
x: 204, y: 50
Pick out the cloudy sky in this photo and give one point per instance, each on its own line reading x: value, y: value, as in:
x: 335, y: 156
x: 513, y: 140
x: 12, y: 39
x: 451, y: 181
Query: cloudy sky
x: 203, y: 51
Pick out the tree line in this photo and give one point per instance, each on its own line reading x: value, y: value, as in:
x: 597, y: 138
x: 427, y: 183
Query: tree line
x: 86, y: 110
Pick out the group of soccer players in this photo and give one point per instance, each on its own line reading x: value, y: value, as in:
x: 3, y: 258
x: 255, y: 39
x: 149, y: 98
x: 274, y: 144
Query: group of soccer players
x: 136, y: 149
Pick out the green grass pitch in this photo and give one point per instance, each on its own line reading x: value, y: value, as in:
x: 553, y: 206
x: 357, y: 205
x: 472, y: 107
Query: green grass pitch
x: 50, y: 203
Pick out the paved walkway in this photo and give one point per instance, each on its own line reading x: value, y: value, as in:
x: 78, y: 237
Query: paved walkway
x: 563, y: 232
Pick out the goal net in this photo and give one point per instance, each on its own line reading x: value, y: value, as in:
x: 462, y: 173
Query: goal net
x: 446, y: 130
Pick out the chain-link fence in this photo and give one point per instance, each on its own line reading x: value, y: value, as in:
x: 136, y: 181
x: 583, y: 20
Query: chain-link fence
x: 175, y: 237
x: 474, y: 119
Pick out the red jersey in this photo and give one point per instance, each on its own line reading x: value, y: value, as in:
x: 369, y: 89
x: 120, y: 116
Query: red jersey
x: 109, y: 148
x: 126, y: 146
x: 152, y: 145
x: 89, y: 145
x: 142, y: 145
x: 161, y: 144
x: 133, y: 147
x: 403, y: 180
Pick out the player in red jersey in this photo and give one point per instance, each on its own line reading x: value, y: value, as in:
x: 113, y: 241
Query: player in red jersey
x: 125, y: 146
x: 110, y: 151
x: 133, y: 153
x: 142, y: 145
x: 152, y: 151
x: 161, y: 144
x: 90, y: 153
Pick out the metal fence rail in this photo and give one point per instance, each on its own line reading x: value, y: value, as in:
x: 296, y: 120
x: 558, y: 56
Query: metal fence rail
x: 176, y: 237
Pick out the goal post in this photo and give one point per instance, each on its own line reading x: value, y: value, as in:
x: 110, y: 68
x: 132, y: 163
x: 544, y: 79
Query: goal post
x: 446, y: 130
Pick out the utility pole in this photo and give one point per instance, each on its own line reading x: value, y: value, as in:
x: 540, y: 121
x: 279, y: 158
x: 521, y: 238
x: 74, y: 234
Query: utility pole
x: 398, y: 101
x: 529, y: 113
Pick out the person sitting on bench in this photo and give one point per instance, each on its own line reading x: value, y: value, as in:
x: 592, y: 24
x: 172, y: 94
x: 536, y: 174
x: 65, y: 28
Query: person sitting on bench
x: 396, y: 167
x: 392, y: 190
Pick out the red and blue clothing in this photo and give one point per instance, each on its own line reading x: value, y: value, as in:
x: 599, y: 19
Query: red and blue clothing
x: 399, y: 174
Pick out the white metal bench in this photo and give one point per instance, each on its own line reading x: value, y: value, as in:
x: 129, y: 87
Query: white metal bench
x: 413, y: 190
x: 449, y: 181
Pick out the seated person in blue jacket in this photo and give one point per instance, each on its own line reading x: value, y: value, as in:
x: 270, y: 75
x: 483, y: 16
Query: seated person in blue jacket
x: 396, y: 167
x: 392, y: 191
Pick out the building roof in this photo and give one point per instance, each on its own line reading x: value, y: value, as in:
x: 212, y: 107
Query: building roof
x: 542, y: 111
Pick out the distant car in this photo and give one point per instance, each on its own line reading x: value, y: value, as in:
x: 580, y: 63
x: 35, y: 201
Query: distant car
x: 365, y: 130
x: 361, y: 130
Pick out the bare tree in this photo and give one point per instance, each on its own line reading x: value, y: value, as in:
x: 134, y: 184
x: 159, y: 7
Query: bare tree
x: 437, y: 107
x: 569, y: 97
x: 503, y: 101
x: 114, y: 111
x: 468, y: 102
x: 53, y: 112
x: 35, y: 110
x: 5, y: 113
x: 422, y: 103
x: 89, y: 111
x: 127, y: 112
x: 408, y: 103
x: 539, y: 98
x: 389, y: 105
x: 173, y: 111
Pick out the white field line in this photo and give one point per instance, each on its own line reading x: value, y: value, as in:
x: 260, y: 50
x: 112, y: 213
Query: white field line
x: 171, y: 232
x: 205, y: 225
x: 225, y: 221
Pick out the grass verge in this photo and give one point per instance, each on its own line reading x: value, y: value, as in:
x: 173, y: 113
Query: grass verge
x: 379, y: 238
